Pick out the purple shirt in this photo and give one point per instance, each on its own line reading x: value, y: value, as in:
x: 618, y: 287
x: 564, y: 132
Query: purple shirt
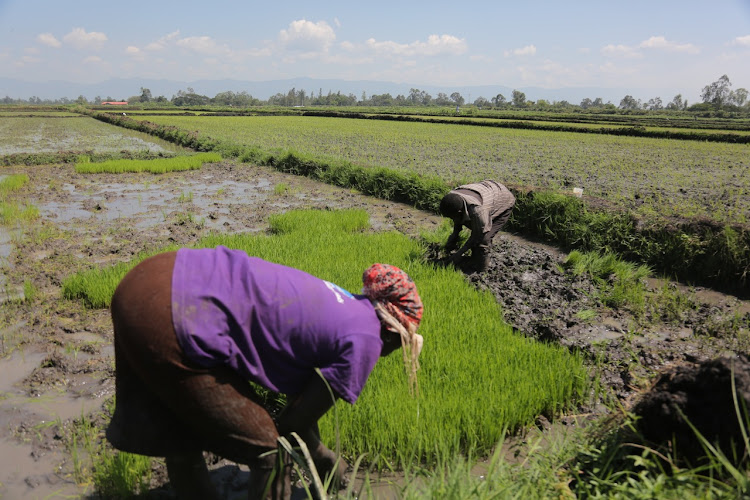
x: 272, y: 324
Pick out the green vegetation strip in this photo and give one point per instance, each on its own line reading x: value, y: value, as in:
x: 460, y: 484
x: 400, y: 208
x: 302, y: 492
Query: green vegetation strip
x: 697, y: 251
x: 630, y: 131
x: 158, y: 166
x: 478, y: 377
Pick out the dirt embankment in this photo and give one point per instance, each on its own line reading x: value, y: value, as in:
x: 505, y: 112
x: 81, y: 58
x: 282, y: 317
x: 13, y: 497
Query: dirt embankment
x: 58, y: 356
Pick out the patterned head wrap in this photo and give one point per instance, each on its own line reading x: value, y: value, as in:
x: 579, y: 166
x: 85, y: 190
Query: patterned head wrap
x: 395, y: 297
x: 395, y: 291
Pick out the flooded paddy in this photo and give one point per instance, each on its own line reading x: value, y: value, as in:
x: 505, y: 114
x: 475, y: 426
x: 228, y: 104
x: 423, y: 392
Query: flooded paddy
x: 40, y: 134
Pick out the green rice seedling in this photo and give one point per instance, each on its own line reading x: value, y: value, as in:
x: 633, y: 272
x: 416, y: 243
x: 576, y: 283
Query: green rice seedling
x: 118, y: 474
x: 620, y: 283
x: 185, y: 197
x: 281, y: 188
x: 157, y: 166
x: 478, y: 379
x: 12, y: 182
x: 11, y: 213
x: 30, y: 291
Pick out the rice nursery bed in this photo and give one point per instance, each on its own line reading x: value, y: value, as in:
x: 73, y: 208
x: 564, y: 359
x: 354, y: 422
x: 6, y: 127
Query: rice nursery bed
x: 649, y: 176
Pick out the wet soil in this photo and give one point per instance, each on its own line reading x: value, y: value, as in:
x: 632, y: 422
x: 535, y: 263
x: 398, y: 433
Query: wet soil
x: 56, y: 366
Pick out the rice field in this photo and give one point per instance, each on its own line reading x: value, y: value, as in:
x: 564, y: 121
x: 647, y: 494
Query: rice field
x: 648, y: 176
x: 44, y: 134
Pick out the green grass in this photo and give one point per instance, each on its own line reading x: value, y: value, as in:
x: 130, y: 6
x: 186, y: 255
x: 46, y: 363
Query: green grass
x: 478, y: 377
x: 158, y: 166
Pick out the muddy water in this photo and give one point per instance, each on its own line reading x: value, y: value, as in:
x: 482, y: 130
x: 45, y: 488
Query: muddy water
x: 56, y: 357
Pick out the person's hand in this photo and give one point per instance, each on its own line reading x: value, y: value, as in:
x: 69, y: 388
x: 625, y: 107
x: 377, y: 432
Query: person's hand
x: 327, y: 463
x: 455, y: 259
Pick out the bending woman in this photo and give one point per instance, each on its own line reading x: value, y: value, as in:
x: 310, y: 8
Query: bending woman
x: 192, y: 327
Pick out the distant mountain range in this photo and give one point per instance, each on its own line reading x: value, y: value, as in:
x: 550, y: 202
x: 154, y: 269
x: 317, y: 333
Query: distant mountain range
x: 125, y: 88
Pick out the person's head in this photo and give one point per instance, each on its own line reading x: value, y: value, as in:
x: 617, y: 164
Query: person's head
x: 452, y: 206
x: 396, y: 300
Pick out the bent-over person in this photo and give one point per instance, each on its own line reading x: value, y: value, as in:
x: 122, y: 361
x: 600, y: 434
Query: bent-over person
x: 482, y: 207
x: 194, y: 326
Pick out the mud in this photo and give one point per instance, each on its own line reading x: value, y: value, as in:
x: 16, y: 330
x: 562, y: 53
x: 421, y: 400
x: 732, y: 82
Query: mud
x: 56, y: 356
x: 707, y: 397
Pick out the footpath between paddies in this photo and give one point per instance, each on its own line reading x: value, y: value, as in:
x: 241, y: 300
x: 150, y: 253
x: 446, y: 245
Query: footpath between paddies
x: 696, y: 251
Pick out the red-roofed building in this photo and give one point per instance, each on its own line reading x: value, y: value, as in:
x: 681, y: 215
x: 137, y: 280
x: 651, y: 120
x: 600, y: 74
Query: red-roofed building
x: 115, y: 103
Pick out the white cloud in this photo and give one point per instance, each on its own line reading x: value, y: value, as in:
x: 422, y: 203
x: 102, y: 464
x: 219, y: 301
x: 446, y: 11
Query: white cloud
x: 435, y: 45
x: 528, y: 50
x: 306, y: 36
x: 621, y: 51
x: 743, y: 41
x: 81, y: 39
x: 203, y: 45
x: 661, y: 43
x: 162, y: 42
x: 49, y: 40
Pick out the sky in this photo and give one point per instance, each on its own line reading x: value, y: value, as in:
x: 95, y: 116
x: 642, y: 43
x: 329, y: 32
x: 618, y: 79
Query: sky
x: 680, y: 46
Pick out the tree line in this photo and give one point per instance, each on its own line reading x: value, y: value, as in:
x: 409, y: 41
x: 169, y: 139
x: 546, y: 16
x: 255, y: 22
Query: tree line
x: 716, y: 96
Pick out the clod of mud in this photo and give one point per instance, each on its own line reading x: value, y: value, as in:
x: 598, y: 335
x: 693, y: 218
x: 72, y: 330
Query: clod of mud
x: 711, y: 398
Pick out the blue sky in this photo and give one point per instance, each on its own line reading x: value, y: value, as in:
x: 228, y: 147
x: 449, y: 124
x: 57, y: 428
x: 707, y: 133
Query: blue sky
x: 674, y: 46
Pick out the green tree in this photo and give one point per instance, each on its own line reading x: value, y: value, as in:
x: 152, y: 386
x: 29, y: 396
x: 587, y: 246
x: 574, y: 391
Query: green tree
x: 457, y: 98
x: 442, y: 99
x: 518, y: 99
x: 499, y: 100
x: 629, y: 102
x: 654, y: 104
x: 738, y: 97
x: 677, y: 103
x: 145, y: 95
x: 481, y: 102
x: 718, y: 92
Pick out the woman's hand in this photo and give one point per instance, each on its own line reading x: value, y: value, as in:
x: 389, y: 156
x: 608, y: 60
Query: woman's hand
x: 327, y: 463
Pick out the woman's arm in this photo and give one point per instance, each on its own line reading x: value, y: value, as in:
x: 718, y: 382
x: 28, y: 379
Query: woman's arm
x: 301, y: 415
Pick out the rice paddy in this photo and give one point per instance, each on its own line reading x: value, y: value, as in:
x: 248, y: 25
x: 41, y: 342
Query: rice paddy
x: 645, y: 175
x: 45, y: 134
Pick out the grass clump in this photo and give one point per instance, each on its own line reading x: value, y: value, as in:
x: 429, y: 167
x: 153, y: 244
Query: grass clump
x: 10, y: 211
x: 479, y: 378
x: 620, y: 283
x: 157, y: 166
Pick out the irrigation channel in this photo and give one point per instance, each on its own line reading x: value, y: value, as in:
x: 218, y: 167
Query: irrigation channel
x: 57, y: 364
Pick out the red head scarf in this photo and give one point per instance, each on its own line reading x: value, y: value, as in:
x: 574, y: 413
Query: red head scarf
x: 395, y: 291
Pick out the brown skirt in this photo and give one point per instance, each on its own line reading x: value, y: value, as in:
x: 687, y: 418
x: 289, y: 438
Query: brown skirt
x: 165, y: 405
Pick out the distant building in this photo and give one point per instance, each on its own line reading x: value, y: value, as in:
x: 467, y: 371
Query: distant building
x: 115, y: 103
